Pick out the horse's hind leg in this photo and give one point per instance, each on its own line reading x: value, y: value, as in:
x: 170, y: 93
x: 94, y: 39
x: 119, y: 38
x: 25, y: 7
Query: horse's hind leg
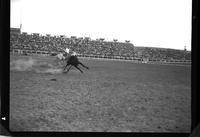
x: 78, y: 69
x: 83, y: 65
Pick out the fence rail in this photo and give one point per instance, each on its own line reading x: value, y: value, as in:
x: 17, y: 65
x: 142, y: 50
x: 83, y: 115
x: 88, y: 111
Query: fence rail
x: 142, y: 60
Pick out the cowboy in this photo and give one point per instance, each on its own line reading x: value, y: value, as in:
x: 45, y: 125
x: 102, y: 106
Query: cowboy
x: 69, y: 52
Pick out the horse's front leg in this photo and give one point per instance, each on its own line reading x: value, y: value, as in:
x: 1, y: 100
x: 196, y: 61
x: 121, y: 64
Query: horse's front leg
x: 78, y: 69
x: 68, y: 69
x: 83, y: 65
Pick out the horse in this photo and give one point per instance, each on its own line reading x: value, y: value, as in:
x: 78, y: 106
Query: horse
x: 73, y: 61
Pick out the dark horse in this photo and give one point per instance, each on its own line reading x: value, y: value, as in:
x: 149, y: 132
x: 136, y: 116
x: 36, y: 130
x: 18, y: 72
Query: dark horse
x: 73, y: 61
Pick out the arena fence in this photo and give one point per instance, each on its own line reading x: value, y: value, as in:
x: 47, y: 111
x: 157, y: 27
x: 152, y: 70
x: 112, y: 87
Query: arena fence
x: 135, y: 59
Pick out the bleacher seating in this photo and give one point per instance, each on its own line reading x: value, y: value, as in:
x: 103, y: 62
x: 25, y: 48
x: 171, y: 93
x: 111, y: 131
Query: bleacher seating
x: 86, y: 46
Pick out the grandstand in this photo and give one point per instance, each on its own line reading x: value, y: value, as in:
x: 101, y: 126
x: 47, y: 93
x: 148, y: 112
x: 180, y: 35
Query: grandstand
x: 162, y: 54
x: 15, y: 30
x: 37, y: 44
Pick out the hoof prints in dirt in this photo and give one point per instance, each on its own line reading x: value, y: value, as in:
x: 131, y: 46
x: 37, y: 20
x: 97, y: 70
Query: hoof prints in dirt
x: 33, y: 65
x: 53, y: 79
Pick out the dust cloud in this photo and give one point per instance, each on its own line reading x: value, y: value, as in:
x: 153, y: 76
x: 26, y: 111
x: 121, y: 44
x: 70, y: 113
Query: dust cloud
x: 33, y: 65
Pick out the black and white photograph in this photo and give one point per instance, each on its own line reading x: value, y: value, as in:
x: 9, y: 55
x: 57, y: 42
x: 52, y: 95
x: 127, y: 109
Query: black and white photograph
x: 100, y: 66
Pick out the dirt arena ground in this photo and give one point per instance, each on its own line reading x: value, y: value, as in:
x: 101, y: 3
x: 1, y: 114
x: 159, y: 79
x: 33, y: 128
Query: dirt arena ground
x: 112, y: 96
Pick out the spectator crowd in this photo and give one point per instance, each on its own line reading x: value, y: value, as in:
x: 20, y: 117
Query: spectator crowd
x: 86, y: 46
